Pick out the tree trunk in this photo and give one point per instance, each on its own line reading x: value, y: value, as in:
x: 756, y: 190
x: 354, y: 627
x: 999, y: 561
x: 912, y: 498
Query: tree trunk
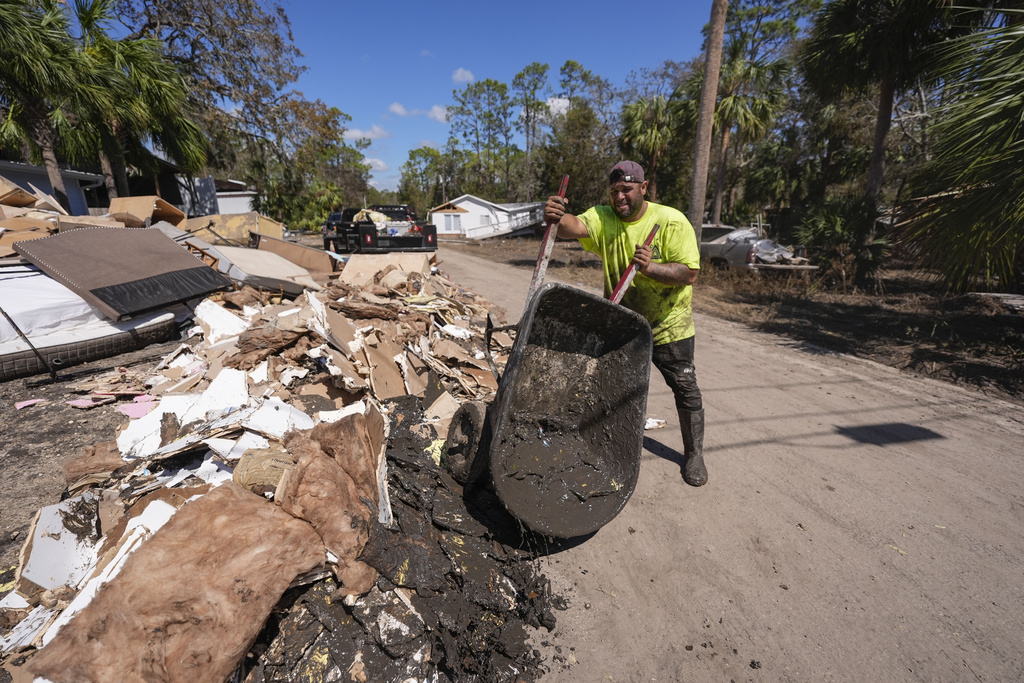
x: 108, y: 175
x: 882, y: 124
x: 720, y: 177
x: 705, y: 118
x: 653, y: 184
x: 867, y: 267
x: 118, y: 164
x: 45, y: 138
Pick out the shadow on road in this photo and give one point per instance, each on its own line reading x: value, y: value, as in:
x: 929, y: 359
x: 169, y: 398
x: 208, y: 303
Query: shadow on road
x: 888, y: 433
x: 662, y: 451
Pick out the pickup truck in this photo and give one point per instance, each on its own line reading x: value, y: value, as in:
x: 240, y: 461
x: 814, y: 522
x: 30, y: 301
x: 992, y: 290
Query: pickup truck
x: 377, y: 230
x: 729, y: 248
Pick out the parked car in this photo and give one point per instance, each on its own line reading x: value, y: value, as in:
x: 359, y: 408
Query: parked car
x: 379, y: 229
x: 727, y: 247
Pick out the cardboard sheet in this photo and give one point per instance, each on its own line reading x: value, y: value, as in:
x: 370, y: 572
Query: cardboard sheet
x: 139, y: 212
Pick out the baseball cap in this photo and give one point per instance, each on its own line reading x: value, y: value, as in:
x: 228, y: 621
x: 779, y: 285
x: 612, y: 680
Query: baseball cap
x: 626, y: 171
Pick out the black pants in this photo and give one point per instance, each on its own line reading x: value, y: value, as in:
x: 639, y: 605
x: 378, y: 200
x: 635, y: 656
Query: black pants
x: 675, y: 362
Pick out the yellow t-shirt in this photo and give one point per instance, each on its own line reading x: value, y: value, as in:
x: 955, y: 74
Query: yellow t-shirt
x: 666, y: 307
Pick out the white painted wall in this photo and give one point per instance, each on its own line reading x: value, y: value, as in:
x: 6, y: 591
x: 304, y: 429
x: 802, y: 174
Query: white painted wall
x: 483, y: 219
x: 234, y: 202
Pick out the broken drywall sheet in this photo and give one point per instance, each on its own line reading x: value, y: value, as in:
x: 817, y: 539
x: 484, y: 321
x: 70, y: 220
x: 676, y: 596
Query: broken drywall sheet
x: 227, y: 392
x: 385, y: 375
x: 248, y: 441
x: 291, y: 373
x: 218, y: 323
x: 344, y: 372
x: 275, y: 418
x: 142, y: 437
x: 27, y: 630
x: 357, y: 408
x: 61, y: 550
x: 137, y: 212
x: 259, y: 375
x: 208, y: 470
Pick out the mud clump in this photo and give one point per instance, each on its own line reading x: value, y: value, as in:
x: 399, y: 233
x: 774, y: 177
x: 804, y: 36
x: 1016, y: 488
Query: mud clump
x: 454, y: 599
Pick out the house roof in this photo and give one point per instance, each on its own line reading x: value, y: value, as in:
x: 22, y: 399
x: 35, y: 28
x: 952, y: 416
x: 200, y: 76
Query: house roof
x: 510, y: 208
x: 32, y: 168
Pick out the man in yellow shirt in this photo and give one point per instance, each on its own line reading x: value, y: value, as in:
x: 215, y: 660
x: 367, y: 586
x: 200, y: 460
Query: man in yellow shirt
x: 661, y: 292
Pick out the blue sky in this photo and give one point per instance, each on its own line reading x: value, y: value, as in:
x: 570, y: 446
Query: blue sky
x: 392, y: 65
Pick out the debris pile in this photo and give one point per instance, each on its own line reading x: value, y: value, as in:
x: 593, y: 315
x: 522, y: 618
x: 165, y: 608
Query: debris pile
x: 79, y: 288
x: 278, y: 506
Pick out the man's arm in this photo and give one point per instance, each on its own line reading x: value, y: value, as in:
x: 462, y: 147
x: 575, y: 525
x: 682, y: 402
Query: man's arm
x: 676, y: 274
x: 569, y: 227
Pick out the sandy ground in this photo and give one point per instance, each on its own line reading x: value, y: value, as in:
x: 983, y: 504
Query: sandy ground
x: 860, y: 524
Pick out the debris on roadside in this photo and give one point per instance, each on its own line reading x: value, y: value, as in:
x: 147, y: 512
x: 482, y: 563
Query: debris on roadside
x: 277, y: 506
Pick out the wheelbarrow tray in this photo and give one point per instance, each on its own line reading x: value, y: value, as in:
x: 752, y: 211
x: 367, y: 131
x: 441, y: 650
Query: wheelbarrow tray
x: 567, y: 421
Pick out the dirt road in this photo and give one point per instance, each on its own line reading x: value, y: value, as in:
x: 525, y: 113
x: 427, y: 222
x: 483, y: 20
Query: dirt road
x: 859, y: 525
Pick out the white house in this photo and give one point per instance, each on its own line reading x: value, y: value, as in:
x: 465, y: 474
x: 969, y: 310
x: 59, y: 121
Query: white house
x: 476, y: 218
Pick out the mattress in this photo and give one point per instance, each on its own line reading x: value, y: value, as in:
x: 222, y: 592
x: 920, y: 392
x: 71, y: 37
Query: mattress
x: 62, y: 326
x: 123, y: 272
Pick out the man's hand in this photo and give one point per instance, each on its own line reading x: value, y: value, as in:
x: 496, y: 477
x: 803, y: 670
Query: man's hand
x: 554, y: 209
x: 642, y: 258
x: 569, y: 227
x: 676, y: 274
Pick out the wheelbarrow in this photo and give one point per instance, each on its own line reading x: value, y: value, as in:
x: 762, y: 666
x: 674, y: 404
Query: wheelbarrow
x: 566, y: 425
x: 563, y: 438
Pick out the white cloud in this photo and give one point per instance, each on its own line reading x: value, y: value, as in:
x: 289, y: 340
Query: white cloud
x: 427, y: 143
x: 375, y: 133
x: 438, y: 113
x: 461, y: 75
x: 426, y: 53
x: 558, y: 105
x: 377, y: 165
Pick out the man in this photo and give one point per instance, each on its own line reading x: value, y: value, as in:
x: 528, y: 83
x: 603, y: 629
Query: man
x: 661, y: 291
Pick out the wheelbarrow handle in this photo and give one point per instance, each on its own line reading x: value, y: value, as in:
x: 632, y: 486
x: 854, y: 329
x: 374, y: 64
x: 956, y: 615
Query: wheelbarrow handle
x: 546, y: 245
x: 627, y: 277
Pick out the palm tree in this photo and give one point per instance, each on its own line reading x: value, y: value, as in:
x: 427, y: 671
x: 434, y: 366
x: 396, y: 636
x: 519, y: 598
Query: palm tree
x: 885, y: 44
x: 705, y: 115
x: 151, y: 103
x: 750, y: 95
x: 42, y: 74
x: 649, y: 126
x: 970, y: 227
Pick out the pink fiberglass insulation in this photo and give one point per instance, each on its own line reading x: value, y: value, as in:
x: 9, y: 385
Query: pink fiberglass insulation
x: 189, y: 603
x: 333, y: 477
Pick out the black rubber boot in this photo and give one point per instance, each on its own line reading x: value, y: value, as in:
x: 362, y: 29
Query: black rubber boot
x: 691, y: 424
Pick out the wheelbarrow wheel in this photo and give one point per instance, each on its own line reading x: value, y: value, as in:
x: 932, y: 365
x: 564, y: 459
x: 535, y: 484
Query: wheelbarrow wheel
x: 465, y: 437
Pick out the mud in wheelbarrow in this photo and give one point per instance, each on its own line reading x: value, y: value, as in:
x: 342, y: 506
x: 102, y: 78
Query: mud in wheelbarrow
x: 567, y: 421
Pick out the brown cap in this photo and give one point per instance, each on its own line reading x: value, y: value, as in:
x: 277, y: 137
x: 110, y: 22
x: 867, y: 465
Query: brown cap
x: 626, y: 171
